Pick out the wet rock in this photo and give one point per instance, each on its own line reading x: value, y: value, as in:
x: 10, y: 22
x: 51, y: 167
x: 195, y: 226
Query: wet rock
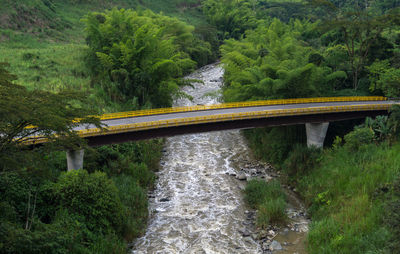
x: 262, y: 234
x: 248, y: 239
x: 244, y: 232
x: 285, y: 231
x: 241, y: 177
x: 265, y: 246
x: 164, y: 199
x: 275, y: 245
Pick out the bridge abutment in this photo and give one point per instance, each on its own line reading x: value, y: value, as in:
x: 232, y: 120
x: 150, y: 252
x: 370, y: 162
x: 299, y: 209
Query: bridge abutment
x: 316, y: 133
x: 75, y: 159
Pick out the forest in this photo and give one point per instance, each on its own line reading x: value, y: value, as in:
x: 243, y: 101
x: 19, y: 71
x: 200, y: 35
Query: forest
x: 62, y: 60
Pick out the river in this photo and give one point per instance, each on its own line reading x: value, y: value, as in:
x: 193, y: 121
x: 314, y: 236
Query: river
x: 197, y: 205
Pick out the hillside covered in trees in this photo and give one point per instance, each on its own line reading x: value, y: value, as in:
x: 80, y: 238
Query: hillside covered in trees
x: 71, y: 58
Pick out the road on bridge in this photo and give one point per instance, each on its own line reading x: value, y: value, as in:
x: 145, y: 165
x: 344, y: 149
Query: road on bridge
x: 182, y: 115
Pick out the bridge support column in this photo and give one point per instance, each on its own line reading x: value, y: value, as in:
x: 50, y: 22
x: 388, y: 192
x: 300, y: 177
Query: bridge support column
x: 316, y: 133
x: 75, y: 159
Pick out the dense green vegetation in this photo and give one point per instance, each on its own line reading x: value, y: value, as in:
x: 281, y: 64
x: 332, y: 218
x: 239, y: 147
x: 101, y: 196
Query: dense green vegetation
x: 78, y: 58
x: 139, y: 57
x: 352, y: 189
x: 125, y: 54
x: 321, y: 48
x: 349, y: 52
x: 46, y: 210
x: 269, y: 199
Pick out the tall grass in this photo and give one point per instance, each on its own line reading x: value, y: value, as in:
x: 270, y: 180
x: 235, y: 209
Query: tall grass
x: 269, y: 199
x: 348, y: 193
x: 49, y: 67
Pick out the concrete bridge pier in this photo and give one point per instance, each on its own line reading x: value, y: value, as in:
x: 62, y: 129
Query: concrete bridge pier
x: 75, y: 159
x: 316, y: 133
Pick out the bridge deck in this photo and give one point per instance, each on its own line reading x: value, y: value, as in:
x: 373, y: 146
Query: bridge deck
x: 142, y: 119
x: 173, y: 121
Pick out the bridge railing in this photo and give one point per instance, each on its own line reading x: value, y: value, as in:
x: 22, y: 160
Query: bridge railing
x: 217, y: 118
x: 158, y: 111
x: 230, y: 117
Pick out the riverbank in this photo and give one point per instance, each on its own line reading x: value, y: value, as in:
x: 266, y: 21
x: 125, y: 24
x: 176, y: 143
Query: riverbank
x: 287, y: 237
x: 351, y: 194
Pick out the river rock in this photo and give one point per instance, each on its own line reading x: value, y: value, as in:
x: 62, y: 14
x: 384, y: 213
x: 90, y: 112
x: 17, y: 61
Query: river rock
x: 275, y: 245
x: 244, y: 232
x: 241, y: 177
x: 285, y: 231
x: 265, y: 246
x: 248, y: 239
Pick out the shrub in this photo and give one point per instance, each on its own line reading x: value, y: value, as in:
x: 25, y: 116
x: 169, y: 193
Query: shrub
x: 269, y: 199
x: 257, y: 191
x: 143, y: 176
x: 62, y: 236
x: 300, y: 160
x: 358, y: 137
x: 392, y: 217
x: 109, y: 244
x: 274, y: 144
x: 134, y: 199
x: 271, y: 210
x: 92, y: 196
x: 324, y: 232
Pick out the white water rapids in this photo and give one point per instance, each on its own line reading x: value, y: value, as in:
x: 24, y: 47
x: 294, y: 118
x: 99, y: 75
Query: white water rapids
x: 197, y: 206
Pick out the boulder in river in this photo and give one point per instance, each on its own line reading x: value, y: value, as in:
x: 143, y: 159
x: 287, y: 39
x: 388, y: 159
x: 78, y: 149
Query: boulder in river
x: 275, y: 245
x: 241, y: 177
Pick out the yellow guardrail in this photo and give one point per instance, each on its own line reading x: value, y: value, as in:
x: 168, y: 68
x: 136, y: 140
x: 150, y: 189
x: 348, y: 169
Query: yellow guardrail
x: 220, y: 118
x: 158, y: 111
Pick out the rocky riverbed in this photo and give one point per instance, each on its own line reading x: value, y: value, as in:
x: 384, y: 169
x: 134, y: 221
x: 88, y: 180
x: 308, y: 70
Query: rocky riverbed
x: 198, y: 206
x: 283, y: 239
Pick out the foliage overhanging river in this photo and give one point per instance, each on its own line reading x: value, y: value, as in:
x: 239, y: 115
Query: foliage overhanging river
x: 197, y: 206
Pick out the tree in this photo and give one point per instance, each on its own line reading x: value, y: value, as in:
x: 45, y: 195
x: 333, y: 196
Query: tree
x: 24, y: 114
x: 385, y: 78
x: 231, y: 17
x: 272, y: 62
x: 359, y: 30
x: 141, y: 56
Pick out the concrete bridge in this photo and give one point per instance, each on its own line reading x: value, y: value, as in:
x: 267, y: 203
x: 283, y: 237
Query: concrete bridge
x: 316, y: 113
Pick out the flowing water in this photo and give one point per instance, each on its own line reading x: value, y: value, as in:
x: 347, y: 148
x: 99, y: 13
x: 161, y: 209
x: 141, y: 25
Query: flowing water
x: 197, y: 205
